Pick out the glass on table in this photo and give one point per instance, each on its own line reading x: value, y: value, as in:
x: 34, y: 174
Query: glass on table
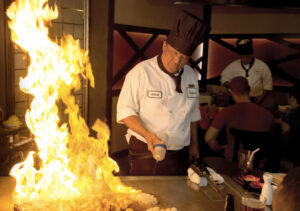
x: 253, y: 202
x: 245, y: 161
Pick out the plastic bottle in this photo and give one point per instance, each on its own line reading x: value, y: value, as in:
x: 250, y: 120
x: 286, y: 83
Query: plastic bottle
x: 267, y: 190
x: 160, y: 150
x: 229, y: 203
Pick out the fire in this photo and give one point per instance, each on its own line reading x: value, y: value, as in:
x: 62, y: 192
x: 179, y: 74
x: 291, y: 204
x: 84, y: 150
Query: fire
x: 71, y: 160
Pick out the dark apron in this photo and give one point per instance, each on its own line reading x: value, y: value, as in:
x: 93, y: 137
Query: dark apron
x: 142, y: 162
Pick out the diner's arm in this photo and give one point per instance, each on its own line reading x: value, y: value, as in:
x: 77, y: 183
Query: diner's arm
x: 135, y: 124
x: 194, y: 150
x: 211, y: 139
x: 285, y: 129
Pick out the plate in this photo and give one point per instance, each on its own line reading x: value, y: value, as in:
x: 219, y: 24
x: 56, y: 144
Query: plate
x: 12, y: 126
x: 256, y: 184
x: 251, y: 178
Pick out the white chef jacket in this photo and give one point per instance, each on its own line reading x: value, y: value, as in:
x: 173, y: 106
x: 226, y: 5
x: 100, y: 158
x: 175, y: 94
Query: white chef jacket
x: 149, y: 93
x: 259, y: 76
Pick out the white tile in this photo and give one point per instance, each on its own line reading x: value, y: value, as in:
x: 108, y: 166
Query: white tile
x: 78, y: 100
x: 19, y: 94
x: 18, y: 75
x: 17, y: 49
x: 51, y: 2
x: 68, y: 16
x: 20, y: 60
x: 20, y: 109
x: 68, y: 29
x: 56, y: 30
x: 81, y: 43
x: 79, y: 4
x: 60, y: 15
x: 78, y: 17
x: 78, y: 31
x: 59, y: 2
x: 81, y: 111
x: 68, y: 3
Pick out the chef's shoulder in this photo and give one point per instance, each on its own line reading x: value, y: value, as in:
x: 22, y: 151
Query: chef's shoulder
x: 233, y: 64
x: 261, y: 63
x: 142, y: 68
x: 190, y: 72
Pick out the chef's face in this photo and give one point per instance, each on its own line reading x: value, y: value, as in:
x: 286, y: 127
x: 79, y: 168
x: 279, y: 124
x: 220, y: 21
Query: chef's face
x: 173, y: 60
x: 246, y: 59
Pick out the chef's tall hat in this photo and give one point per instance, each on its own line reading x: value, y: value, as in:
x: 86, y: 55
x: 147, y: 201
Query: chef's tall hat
x: 244, y: 46
x: 188, y: 32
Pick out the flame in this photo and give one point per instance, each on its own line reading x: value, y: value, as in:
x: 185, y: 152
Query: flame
x: 71, y: 160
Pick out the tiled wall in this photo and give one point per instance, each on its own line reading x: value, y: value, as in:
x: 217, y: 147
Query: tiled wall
x: 70, y: 21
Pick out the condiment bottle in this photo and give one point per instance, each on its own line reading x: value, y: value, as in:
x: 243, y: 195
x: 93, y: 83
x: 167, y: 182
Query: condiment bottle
x: 160, y: 150
x: 229, y: 203
x: 267, y: 190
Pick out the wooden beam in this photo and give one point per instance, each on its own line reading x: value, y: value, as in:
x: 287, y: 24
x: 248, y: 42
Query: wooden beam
x: 131, y: 43
x: 207, y: 19
x: 284, y: 42
x: 129, y: 64
x: 223, y: 43
x: 148, y: 30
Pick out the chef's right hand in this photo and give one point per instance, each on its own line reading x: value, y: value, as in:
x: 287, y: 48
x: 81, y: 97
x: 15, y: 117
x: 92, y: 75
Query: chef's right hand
x: 152, y: 140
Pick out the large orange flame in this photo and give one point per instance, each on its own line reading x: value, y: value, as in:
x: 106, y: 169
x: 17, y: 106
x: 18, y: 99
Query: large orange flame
x: 71, y: 159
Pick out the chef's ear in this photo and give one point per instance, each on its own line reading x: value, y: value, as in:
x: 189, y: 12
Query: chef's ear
x: 164, y: 46
x: 164, y: 43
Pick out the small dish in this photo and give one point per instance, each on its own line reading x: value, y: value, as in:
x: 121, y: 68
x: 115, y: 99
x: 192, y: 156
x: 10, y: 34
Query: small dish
x: 256, y: 184
x: 251, y: 178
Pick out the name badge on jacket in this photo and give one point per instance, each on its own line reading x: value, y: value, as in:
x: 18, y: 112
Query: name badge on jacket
x: 155, y: 94
x: 192, y: 91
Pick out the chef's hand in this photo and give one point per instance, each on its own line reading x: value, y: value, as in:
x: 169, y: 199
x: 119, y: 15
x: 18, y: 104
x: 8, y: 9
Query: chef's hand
x: 194, y: 152
x: 152, y: 139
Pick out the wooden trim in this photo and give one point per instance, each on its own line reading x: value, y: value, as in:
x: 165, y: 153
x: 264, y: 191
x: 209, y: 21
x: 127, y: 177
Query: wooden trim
x: 207, y: 19
x: 9, y: 68
x: 148, y: 30
x: 265, y: 36
x: 110, y: 62
x: 86, y: 83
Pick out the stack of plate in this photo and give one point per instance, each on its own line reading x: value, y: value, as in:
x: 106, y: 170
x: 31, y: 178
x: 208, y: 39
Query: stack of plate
x: 12, y: 122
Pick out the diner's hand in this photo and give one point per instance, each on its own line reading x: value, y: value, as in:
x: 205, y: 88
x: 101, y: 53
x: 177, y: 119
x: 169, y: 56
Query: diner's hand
x: 258, y: 100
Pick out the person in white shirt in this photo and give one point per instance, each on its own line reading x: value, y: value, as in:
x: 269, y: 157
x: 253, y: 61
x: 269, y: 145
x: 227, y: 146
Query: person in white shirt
x: 159, y: 103
x: 255, y: 70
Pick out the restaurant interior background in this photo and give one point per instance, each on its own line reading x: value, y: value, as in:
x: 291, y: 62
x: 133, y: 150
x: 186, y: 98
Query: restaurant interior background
x: 120, y: 33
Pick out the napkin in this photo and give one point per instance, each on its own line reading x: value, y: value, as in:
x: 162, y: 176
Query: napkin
x: 195, y: 178
x: 215, y: 176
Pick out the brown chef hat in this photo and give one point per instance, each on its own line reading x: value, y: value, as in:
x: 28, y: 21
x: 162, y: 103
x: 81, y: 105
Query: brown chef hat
x: 244, y: 46
x: 188, y: 32
x: 239, y: 85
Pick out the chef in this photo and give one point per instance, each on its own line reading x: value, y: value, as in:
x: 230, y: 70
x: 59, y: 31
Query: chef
x: 159, y: 103
x: 255, y: 70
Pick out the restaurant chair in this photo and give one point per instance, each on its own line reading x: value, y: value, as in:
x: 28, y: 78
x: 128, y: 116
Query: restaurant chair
x: 267, y: 158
